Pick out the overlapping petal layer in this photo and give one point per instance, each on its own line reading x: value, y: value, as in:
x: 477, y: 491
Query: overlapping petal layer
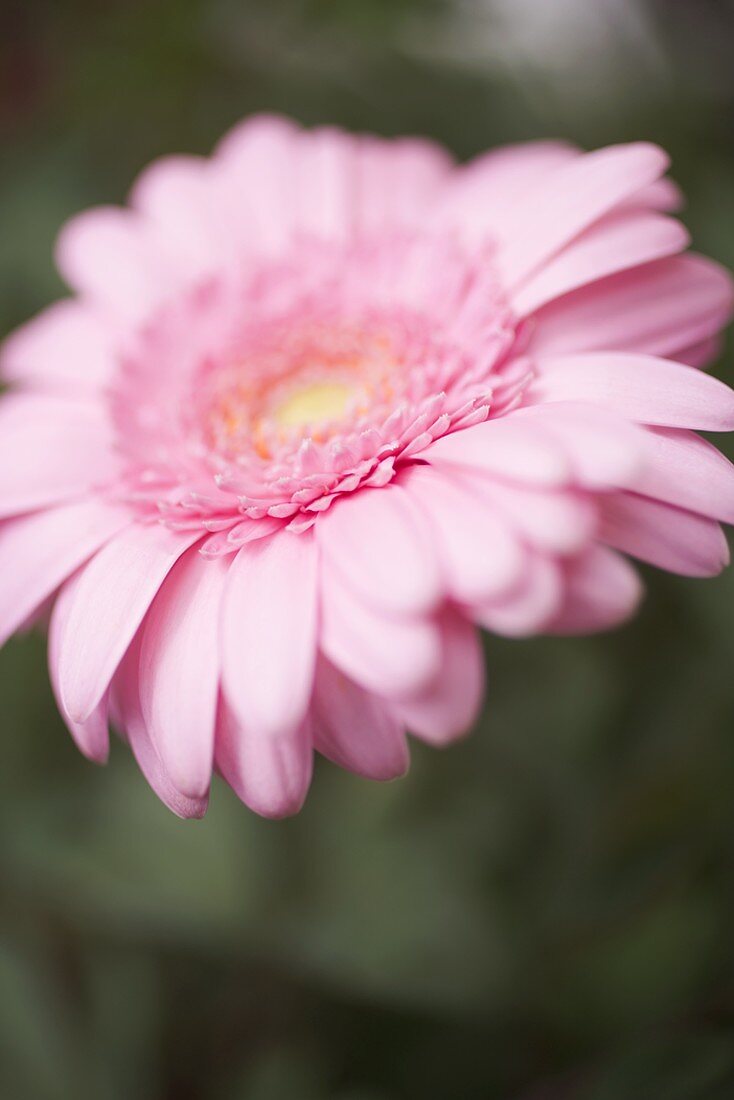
x: 323, y: 403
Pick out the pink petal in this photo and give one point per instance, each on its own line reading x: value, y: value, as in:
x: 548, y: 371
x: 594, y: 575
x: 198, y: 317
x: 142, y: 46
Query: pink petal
x: 269, y: 640
x: 92, y: 737
x: 647, y: 390
x: 483, y: 192
x: 51, y: 449
x: 479, y: 554
x: 668, y: 537
x: 270, y: 773
x: 179, y: 670
x: 390, y: 656
x: 506, y: 447
x: 105, y: 255
x: 450, y: 704
x: 619, y: 242
x: 110, y: 600
x: 687, y: 471
x: 39, y: 552
x: 658, y: 309
x: 570, y: 199
x: 178, y: 200
x: 602, y: 590
x: 66, y: 346
x: 127, y: 715
x: 531, y: 607
x: 381, y: 544
x: 604, y: 449
x: 548, y: 520
x: 355, y: 729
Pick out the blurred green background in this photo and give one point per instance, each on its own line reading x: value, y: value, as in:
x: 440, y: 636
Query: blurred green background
x: 544, y: 912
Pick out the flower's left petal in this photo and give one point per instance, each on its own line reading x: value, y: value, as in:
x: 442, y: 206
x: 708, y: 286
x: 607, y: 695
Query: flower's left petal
x: 127, y: 716
x: 650, y: 391
x: 51, y: 449
x: 106, y: 255
x: 270, y: 773
x: 179, y: 669
x: 269, y: 632
x: 110, y: 600
x: 602, y: 590
x: 392, y: 656
x: 66, y: 347
x: 38, y: 552
x: 92, y: 737
x: 449, y: 706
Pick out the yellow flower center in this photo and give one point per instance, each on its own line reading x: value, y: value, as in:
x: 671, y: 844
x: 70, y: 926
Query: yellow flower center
x: 316, y: 403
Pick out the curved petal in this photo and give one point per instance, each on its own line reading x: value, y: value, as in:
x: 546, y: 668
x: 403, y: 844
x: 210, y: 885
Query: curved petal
x: 604, y: 449
x: 381, y: 544
x: 662, y: 535
x: 658, y: 309
x: 506, y: 447
x: 645, y: 389
x: 269, y: 633
x: 270, y: 773
x: 601, y: 591
x: 38, y: 552
x: 552, y: 521
x: 390, y: 656
x: 179, y: 669
x: 110, y: 599
x: 619, y: 242
x: 450, y: 705
x: 92, y: 737
x: 106, y: 255
x: 531, y: 606
x: 480, y: 556
x: 51, y: 449
x: 65, y: 346
x: 687, y: 471
x: 128, y: 717
x: 355, y: 729
x: 571, y: 198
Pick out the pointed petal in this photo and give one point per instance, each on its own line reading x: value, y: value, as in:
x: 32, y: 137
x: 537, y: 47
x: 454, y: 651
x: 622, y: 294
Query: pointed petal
x: 110, y: 600
x: 601, y: 591
x: 269, y: 633
x: 647, y: 390
x: 571, y: 198
x: 271, y: 773
x: 38, y: 552
x: 622, y: 241
x: 392, y: 657
x: 355, y: 729
x: 381, y: 544
x: 92, y: 736
x: 662, y: 535
x: 450, y: 705
x: 179, y: 669
x: 480, y: 556
x: 128, y: 717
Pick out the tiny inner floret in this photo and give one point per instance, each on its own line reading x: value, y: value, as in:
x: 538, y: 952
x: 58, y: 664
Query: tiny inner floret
x: 298, y: 384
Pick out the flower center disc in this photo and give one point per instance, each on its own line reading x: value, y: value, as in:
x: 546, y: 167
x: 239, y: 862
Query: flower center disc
x: 313, y: 404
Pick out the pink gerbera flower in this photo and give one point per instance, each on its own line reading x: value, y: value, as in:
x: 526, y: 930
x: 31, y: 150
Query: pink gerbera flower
x: 319, y: 404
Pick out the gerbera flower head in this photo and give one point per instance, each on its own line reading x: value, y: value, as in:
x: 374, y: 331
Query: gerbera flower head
x: 322, y: 403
